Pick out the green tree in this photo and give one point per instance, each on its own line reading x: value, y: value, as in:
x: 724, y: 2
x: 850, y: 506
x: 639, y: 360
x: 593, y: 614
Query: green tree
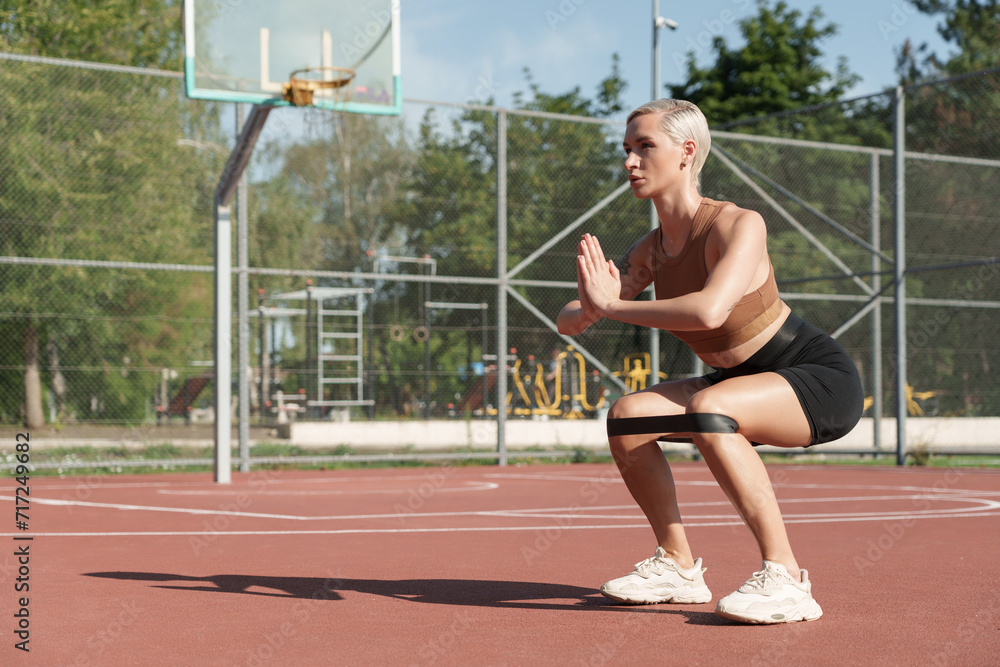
x: 347, y: 171
x: 326, y: 207
x: 775, y: 83
x: 778, y: 68
x: 556, y: 170
x: 955, y: 206
x: 777, y: 73
x: 972, y: 26
x: 92, y: 168
x: 140, y: 33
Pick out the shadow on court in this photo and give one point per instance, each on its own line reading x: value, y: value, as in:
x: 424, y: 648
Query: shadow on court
x: 461, y: 592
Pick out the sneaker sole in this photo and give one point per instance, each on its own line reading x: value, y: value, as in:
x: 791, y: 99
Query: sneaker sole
x: 808, y: 610
x: 678, y: 597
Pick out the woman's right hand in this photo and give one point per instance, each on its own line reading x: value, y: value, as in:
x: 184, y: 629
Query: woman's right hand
x: 577, y: 316
x: 598, y: 280
x: 586, y: 307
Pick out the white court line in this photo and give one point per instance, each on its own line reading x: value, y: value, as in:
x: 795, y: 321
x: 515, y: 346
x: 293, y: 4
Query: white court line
x: 584, y: 512
x: 578, y: 512
x: 781, y: 501
x: 470, y: 486
x: 224, y: 512
x: 609, y: 479
x: 615, y: 477
x: 264, y: 480
x: 470, y: 529
x: 153, y: 508
x: 255, y: 480
x: 98, y: 483
x: 776, y: 485
x: 256, y: 515
x: 876, y: 487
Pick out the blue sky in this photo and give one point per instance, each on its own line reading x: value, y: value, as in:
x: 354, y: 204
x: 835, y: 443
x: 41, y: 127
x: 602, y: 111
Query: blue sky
x: 465, y: 51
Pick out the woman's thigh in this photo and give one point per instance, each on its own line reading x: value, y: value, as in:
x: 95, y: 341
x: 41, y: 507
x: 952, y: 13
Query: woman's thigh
x: 764, y: 405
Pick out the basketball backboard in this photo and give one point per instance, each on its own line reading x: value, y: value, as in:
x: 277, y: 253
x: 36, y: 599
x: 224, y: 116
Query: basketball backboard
x: 247, y: 50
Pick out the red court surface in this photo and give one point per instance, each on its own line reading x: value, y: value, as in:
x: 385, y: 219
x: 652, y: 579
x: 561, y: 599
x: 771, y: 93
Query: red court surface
x: 488, y: 566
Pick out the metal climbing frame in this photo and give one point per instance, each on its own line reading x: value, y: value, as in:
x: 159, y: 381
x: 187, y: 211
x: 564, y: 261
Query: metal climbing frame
x: 337, y: 336
x: 339, y: 347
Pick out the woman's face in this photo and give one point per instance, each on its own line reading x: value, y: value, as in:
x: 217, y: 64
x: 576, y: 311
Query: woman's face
x: 653, y: 161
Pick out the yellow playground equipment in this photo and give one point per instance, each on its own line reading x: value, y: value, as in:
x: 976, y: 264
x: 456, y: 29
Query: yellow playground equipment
x: 567, y: 389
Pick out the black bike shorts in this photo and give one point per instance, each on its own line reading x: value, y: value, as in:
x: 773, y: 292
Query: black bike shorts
x: 820, y: 371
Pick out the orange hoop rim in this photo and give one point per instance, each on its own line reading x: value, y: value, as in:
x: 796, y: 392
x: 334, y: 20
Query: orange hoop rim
x: 299, y: 91
x: 303, y: 83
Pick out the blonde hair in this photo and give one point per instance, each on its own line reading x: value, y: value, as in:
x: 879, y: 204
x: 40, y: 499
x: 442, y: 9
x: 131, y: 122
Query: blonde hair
x: 681, y: 120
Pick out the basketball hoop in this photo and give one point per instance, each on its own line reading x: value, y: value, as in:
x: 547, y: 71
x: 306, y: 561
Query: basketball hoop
x: 303, y: 84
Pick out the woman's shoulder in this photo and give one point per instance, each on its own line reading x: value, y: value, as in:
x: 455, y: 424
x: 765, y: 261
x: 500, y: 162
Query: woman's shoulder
x: 724, y: 207
x: 729, y: 215
x: 646, y: 243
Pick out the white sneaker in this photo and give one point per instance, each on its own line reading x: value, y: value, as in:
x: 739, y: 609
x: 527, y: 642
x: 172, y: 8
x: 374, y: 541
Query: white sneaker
x: 659, y: 579
x: 771, y: 596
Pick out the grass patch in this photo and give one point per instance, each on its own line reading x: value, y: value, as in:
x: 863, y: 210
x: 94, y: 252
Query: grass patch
x: 74, y: 460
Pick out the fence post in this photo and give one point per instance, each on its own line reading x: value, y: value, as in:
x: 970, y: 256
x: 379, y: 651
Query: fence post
x: 223, y: 339
x: 876, y: 372
x: 654, y: 219
x: 501, y: 287
x: 224, y: 192
x: 242, y: 309
x: 899, y: 220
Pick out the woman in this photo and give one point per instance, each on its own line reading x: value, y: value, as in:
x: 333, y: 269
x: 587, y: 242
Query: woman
x: 776, y: 380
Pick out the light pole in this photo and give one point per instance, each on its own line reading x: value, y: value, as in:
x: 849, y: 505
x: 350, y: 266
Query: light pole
x: 654, y: 334
x: 658, y: 23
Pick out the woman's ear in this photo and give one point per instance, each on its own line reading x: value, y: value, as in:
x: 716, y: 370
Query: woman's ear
x: 689, y: 149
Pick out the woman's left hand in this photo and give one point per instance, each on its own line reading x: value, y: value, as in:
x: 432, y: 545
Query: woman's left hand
x: 599, y: 277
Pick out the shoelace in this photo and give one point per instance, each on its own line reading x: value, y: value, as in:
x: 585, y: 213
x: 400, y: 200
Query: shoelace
x: 653, y: 565
x: 760, y: 580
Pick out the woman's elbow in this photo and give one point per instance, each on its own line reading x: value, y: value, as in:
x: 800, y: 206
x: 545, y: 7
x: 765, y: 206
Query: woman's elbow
x: 567, y: 328
x: 712, y: 317
x: 563, y: 325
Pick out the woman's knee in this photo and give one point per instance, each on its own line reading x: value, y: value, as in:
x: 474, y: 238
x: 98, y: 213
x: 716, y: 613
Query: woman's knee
x: 631, y: 405
x: 708, y: 402
x: 628, y: 407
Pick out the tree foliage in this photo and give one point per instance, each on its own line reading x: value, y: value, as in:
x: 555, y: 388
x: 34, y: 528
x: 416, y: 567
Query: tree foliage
x: 778, y: 68
x: 777, y: 73
x: 93, y: 169
x: 971, y: 26
x: 139, y: 33
x: 556, y: 170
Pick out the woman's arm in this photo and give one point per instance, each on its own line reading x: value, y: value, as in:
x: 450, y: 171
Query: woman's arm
x: 738, y: 243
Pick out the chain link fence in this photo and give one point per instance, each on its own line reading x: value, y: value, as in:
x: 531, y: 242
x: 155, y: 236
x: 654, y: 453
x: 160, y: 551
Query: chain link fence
x: 832, y: 220
x: 376, y: 291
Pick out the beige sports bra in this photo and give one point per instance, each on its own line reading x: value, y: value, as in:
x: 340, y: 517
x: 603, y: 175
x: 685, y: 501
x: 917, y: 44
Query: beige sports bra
x: 687, y: 272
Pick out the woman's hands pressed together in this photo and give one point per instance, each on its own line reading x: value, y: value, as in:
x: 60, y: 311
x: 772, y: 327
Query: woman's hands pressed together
x: 598, y: 279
